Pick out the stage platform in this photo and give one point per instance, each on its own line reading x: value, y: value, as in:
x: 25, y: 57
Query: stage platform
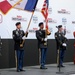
x: 69, y: 69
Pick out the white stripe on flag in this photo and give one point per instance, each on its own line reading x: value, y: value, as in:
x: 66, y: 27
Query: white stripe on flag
x: 13, y: 2
x: 22, y: 4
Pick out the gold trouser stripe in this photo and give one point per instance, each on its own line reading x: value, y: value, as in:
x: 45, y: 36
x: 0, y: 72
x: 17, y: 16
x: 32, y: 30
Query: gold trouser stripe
x: 39, y: 56
x: 16, y: 58
x: 58, y: 57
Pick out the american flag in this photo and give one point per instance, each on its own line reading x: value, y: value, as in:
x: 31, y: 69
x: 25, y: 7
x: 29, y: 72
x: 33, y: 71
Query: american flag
x: 44, y: 11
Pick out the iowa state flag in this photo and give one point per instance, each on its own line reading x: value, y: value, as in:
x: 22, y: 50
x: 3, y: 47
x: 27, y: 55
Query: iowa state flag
x: 28, y: 5
x: 6, y: 5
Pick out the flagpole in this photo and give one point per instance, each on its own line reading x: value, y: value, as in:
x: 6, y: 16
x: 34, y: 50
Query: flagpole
x: 46, y: 20
x: 46, y: 27
x: 21, y: 45
x: 30, y: 20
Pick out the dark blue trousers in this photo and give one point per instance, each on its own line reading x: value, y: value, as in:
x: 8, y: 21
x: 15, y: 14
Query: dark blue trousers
x: 43, y: 52
x: 62, y: 52
x: 60, y: 57
x: 19, y: 59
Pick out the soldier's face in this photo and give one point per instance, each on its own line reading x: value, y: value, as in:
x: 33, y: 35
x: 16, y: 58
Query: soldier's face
x: 19, y: 26
x: 60, y: 29
x: 42, y: 26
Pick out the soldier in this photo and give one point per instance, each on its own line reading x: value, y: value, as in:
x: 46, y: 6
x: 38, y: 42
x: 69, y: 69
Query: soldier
x: 42, y: 44
x: 18, y: 36
x: 61, y: 41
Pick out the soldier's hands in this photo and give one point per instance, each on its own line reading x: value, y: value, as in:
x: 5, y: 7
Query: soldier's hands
x: 45, y: 39
x: 26, y: 33
x: 64, y: 44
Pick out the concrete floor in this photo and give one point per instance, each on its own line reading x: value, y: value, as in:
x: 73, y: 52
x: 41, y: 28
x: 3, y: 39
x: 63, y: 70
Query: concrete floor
x: 69, y: 69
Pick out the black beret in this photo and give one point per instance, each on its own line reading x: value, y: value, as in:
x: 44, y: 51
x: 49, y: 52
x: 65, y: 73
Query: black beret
x: 17, y: 23
x: 41, y: 23
x: 59, y: 26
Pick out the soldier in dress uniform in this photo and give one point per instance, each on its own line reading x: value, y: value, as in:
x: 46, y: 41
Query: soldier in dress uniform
x: 18, y: 36
x: 61, y: 42
x: 42, y: 44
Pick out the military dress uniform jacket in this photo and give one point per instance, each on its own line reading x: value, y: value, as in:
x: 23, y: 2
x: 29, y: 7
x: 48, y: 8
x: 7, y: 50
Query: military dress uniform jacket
x: 17, y: 36
x: 41, y: 35
x: 60, y: 39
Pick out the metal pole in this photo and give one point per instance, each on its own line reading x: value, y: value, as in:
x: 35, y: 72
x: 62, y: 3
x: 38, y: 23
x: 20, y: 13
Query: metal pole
x: 59, y: 72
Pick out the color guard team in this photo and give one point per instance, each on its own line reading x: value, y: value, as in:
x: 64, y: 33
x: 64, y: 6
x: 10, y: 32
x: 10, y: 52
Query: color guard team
x: 41, y: 35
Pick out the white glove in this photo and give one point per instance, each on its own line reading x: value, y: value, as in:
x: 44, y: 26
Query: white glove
x: 45, y: 39
x: 64, y: 44
x: 23, y: 37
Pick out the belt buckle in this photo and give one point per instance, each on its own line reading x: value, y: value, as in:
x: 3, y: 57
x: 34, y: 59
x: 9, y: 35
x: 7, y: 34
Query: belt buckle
x: 45, y: 43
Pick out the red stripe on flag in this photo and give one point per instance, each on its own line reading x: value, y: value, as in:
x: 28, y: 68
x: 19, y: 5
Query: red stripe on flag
x: 45, y: 10
x: 5, y: 6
